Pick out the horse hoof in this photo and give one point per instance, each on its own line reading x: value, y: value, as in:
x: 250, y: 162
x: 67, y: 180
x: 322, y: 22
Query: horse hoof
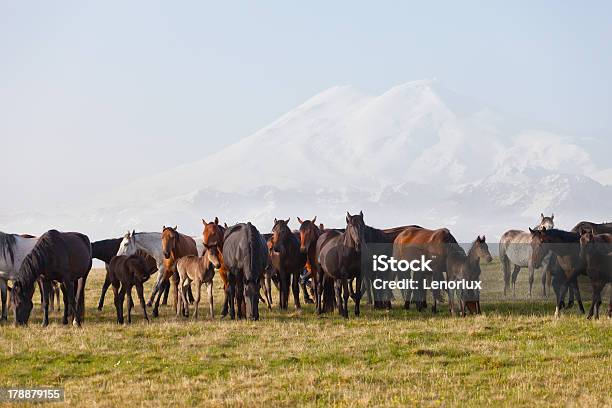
x: 75, y: 323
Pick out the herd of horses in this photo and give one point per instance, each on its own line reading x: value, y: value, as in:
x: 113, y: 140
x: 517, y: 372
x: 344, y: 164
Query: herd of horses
x: 325, y: 264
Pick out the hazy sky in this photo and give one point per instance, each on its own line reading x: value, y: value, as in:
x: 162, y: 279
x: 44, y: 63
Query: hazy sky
x: 94, y: 94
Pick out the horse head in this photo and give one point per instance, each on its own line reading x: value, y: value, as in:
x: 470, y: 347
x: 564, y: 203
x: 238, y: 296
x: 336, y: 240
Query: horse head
x: 128, y: 246
x: 169, y: 238
x: 481, y: 249
x: 355, y: 229
x: 546, y: 222
x: 22, y: 303
x: 280, y: 232
x: 587, y: 238
x: 309, y: 233
x: 540, y: 245
x: 212, y: 238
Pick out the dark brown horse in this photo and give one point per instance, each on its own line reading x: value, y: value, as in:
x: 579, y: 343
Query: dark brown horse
x: 105, y: 250
x: 174, y: 246
x: 57, y: 256
x: 339, y: 256
x: 565, y: 245
x: 309, y: 234
x: 125, y: 272
x: 289, y: 262
x: 462, y: 267
x: 596, y: 250
x: 595, y: 228
x: 414, y: 242
x: 245, y: 255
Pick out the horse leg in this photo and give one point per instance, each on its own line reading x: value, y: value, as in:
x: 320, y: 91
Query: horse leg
x: 46, y: 287
x: 303, y: 280
x: 130, y: 302
x: 80, y: 299
x: 570, y: 302
x: 295, y: 287
x: 3, y: 294
x: 209, y: 289
x: 268, y: 283
x: 105, y: 286
x: 283, y: 288
x: 66, y: 303
x: 505, y: 264
x: 357, y: 299
x: 231, y: 295
x: 117, y: 303
x: 239, y: 293
x: 345, y: 296
x: 597, y: 287
x: 544, y: 275
x: 515, y: 273
x: 576, y: 289
x: 157, y: 287
x: 197, y: 298
x: 72, y: 303
x: 338, y: 290
x: 563, y: 291
x: 140, y: 293
x: 531, y: 270
x: 120, y: 301
x: 159, y: 293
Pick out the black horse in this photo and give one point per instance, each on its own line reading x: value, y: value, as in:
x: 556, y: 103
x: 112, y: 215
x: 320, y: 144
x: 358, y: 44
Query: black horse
x: 568, y: 264
x: 245, y: 255
x: 596, y: 250
x: 64, y: 257
x: 290, y: 262
x: 339, y: 256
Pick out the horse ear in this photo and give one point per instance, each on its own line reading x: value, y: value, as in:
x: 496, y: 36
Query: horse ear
x: 300, y: 220
x: 314, y: 219
x: 321, y: 226
x: 175, y: 228
x: 542, y: 215
x: 225, y: 225
x: 348, y: 217
x: 530, y: 230
x: 204, y: 222
x: 543, y: 229
x: 287, y: 222
x: 361, y: 214
x: 216, y: 220
x: 133, y: 232
x: 275, y: 220
x: 163, y: 227
x: 552, y: 216
x: 478, y: 239
x: 483, y: 238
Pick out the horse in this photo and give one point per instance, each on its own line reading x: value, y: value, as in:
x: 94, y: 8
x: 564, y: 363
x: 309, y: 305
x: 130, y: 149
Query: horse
x: 198, y: 270
x: 515, y: 253
x: 309, y: 234
x: 290, y: 262
x: 105, y: 250
x: 339, y: 257
x: 58, y: 256
x: 461, y: 267
x: 124, y: 272
x: 565, y: 245
x: 596, y: 250
x: 174, y: 246
x: 414, y: 242
x: 245, y: 255
x: 595, y: 228
x: 381, y: 299
x: 13, y: 250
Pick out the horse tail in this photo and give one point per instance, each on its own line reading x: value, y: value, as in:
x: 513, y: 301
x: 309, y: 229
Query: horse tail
x: 252, y: 251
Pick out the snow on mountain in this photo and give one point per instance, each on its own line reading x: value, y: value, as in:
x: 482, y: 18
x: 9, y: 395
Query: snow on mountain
x: 417, y: 153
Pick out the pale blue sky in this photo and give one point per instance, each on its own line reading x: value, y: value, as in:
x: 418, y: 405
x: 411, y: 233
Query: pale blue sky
x: 123, y: 88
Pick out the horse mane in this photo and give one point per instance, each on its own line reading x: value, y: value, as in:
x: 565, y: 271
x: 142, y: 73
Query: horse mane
x: 38, y: 259
x: 7, y: 242
x: 566, y: 236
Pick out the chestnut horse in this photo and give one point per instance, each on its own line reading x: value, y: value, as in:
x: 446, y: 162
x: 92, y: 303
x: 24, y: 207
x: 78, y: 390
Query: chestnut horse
x: 414, y: 242
x: 309, y: 234
x: 596, y: 250
x: 174, y: 246
x: 339, y: 256
x: 595, y: 228
x: 212, y: 238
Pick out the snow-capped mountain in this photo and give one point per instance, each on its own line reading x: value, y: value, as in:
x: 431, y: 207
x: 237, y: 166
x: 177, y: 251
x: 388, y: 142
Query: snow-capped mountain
x: 416, y: 154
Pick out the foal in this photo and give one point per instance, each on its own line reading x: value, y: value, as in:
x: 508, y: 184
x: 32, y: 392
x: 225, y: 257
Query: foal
x: 199, y: 270
x: 123, y: 273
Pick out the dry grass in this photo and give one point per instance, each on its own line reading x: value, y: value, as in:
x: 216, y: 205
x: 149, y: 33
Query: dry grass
x: 516, y: 353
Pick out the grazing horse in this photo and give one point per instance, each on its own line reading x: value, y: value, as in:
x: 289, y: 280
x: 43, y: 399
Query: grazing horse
x: 58, y: 256
x: 414, y: 242
x: 198, y: 270
x: 565, y: 245
x: 245, y: 255
x: 603, y: 228
x: 462, y: 267
x: 596, y: 250
x: 515, y: 253
x: 290, y: 262
x: 174, y: 246
x: 124, y: 272
x: 339, y: 257
x: 13, y: 250
x: 105, y: 250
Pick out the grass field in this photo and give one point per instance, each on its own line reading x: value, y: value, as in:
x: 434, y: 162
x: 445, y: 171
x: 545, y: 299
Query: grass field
x: 515, y: 353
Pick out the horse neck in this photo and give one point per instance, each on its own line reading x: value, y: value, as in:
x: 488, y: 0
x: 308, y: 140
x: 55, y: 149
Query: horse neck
x: 472, y: 254
x: 21, y: 249
x: 150, y: 243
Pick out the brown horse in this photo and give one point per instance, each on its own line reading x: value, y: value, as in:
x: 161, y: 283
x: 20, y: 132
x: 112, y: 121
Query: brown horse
x: 309, y: 234
x: 414, y: 242
x: 174, y: 246
x: 289, y: 262
x: 596, y: 250
x: 595, y: 228
x: 198, y: 270
x: 461, y: 267
x: 212, y: 238
x: 125, y: 272
x: 339, y: 256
